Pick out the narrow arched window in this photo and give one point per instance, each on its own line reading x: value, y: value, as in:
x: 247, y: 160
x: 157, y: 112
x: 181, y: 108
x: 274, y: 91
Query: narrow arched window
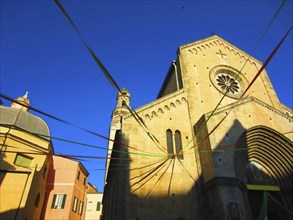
x: 169, y: 142
x: 124, y: 105
x: 178, y: 144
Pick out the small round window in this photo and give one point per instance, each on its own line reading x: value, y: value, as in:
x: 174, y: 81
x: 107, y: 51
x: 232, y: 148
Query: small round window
x: 228, y: 80
x: 228, y: 83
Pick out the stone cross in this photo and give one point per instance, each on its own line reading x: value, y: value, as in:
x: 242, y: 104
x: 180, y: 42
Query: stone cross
x: 222, y: 54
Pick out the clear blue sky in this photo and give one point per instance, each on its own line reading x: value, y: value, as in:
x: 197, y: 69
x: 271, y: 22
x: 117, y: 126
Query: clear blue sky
x: 136, y: 41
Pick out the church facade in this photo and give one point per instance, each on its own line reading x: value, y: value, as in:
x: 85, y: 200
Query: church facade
x: 203, y: 149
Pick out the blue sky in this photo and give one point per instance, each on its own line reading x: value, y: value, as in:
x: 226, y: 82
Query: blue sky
x: 136, y: 41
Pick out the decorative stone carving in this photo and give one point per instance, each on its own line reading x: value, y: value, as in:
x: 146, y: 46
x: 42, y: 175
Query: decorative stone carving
x: 233, y: 210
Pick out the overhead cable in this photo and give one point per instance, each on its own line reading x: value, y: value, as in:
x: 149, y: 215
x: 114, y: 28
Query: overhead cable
x: 109, y: 77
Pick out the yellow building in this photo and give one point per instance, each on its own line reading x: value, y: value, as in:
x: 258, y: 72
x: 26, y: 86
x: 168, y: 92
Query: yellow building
x: 181, y: 162
x: 24, y: 161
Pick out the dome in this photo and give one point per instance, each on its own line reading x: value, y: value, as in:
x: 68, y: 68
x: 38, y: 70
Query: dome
x: 24, y: 120
x: 18, y: 116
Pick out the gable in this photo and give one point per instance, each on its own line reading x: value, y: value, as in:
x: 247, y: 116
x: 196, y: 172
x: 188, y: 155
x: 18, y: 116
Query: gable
x: 209, y: 67
x: 201, y: 46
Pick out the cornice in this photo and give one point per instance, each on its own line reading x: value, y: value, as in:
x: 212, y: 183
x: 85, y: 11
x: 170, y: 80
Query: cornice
x: 247, y: 100
x: 159, y: 104
x: 204, y: 44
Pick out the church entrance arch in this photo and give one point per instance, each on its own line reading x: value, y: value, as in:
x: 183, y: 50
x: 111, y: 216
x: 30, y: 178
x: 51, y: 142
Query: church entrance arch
x: 263, y: 162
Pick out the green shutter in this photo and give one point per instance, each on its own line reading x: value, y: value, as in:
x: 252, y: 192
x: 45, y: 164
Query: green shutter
x: 53, y: 202
x: 98, y: 206
x: 63, y: 201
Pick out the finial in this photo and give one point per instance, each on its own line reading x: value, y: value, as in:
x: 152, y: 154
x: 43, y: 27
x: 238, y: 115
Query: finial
x: 25, y: 95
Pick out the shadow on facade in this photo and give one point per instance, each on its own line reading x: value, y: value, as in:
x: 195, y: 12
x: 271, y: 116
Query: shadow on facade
x: 12, y: 215
x: 9, y: 174
x: 244, y: 166
x: 4, y: 167
x: 21, y: 195
x: 221, y: 190
x: 119, y: 202
x: 49, y: 187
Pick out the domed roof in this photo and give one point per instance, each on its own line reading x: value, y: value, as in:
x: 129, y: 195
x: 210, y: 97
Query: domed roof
x: 17, y: 115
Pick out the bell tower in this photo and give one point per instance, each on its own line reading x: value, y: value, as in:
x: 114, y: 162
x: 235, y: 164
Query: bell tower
x: 122, y: 107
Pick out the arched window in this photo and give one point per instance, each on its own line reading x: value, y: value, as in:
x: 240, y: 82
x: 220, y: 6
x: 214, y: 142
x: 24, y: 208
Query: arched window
x: 124, y: 105
x: 169, y: 141
x: 178, y: 144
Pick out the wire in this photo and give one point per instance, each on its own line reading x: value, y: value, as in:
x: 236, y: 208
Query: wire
x: 229, y: 87
x: 108, y: 75
x: 155, y: 186
x: 89, y: 145
x: 149, y: 176
x: 251, y: 83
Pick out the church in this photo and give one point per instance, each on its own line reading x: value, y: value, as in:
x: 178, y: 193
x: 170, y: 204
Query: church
x: 206, y: 148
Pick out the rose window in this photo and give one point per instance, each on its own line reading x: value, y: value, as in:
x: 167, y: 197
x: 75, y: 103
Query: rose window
x: 228, y: 83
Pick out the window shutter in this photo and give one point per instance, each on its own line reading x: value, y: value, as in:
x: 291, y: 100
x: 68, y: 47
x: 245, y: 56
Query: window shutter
x: 54, y: 201
x: 98, y: 206
x: 63, y: 201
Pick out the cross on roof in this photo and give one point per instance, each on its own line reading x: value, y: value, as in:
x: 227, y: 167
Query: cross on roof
x: 222, y: 54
